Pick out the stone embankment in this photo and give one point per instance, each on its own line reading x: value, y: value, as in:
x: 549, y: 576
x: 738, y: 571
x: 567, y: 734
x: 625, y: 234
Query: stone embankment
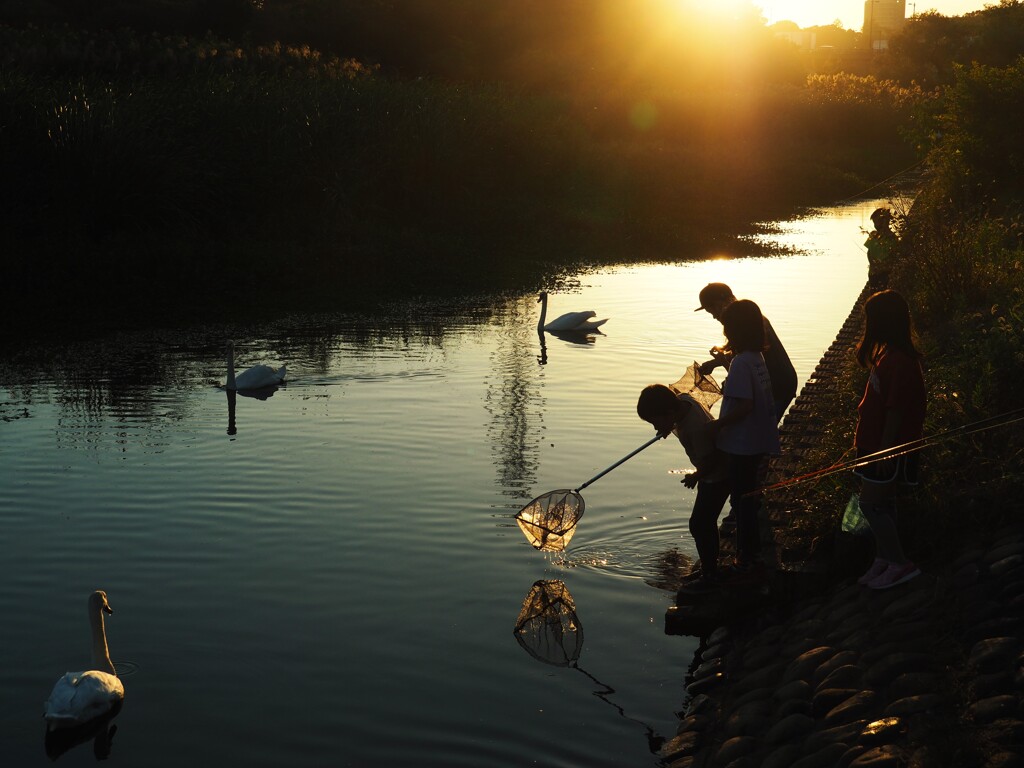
x: 928, y: 673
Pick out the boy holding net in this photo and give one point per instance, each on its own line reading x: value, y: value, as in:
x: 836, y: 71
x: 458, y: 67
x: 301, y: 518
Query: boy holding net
x: 687, y: 419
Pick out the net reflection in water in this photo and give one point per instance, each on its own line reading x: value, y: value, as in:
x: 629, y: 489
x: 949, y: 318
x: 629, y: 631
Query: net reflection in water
x: 547, y: 626
x: 549, y: 521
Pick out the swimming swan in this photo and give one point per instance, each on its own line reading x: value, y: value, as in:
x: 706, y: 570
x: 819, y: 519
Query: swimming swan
x: 257, y: 377
x: 570, y: 321
x: 79, y: 697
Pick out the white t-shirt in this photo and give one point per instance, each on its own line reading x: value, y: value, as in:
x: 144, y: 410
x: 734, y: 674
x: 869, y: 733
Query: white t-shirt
x: 759, y: 432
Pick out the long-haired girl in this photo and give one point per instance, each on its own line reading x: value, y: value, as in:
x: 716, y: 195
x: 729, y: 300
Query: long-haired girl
x: 890, y: 414
x: 747, y: 428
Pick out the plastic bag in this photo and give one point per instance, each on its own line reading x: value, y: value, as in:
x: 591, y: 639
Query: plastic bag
x: 853, y: 518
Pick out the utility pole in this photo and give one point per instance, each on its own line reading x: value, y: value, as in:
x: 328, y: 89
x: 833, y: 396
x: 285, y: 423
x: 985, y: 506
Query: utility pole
x: 871, y: 26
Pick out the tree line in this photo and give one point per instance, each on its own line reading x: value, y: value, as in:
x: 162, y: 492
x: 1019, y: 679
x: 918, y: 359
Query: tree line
x: 553, y: 43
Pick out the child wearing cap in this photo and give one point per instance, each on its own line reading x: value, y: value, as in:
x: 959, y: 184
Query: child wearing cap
x: 716, y: 298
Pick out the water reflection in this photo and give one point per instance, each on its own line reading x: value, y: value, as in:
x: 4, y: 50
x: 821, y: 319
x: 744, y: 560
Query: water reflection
x: 128, y: 386
x: 263, y: 393
x: 99, y: 731
x: 514, y: 401
x: 549, y: 629
x: 577, y: 337
x: 232, y: 395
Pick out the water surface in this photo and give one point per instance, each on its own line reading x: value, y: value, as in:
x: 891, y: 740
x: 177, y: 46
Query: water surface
x: 332, y: 576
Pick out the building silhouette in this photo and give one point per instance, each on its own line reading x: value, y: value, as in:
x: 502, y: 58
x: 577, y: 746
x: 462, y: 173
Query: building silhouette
x: 882, y: 20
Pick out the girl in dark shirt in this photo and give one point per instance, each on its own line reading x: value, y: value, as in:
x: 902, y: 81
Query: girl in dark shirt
x: 890, y: 414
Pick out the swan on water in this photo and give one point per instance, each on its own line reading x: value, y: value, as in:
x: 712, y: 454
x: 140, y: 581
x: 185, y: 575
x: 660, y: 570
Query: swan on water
x: 79, y: 697
x: 570, y: 321
x: 257, y: 377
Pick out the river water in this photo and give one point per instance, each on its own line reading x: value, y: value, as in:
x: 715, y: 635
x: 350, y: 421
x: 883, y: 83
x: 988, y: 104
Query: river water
x: 332, y: 575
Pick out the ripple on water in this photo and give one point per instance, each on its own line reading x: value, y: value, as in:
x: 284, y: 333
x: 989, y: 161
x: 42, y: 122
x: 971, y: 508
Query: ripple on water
x: 652, y: 554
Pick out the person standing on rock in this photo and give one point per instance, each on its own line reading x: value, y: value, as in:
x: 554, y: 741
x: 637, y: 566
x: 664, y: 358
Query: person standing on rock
x: 687, y: 419
x: 747, y: 428
x: 890, y: 414
x: 881, y: 247
x: 715, y: 298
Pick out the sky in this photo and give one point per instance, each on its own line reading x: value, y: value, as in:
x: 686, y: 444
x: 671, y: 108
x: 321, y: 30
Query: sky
x: 810, y: 13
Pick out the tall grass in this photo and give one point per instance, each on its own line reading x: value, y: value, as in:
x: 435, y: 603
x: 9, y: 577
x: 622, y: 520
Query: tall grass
x: 163, y: 166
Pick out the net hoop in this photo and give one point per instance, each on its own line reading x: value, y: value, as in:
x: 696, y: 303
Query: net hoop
x: 549, y: 521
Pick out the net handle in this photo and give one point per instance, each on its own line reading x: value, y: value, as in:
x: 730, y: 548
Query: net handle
x: 623, y: 460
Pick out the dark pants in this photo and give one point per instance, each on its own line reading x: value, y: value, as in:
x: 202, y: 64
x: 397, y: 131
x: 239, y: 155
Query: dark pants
x: 745, y: 473
x: 781, y: 406
x: 704, y: 522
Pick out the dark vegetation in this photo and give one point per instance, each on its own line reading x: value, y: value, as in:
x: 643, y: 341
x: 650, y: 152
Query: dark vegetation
x: 178, y: 152
x: 961, y: 265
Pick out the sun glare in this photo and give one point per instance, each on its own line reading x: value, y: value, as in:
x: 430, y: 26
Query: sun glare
x: 711, y: 18
x: 719, y: 11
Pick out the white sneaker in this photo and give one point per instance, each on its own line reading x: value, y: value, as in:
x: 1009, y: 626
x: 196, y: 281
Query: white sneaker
x: 876, y: 568
x: 895, y: 574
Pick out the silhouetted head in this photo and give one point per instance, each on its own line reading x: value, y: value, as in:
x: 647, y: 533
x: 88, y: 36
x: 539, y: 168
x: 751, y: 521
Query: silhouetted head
x: 659, y: 405
x: 98, y: 602
x: 743, y: 326
x: 887, y: 322
x: 714, y: 298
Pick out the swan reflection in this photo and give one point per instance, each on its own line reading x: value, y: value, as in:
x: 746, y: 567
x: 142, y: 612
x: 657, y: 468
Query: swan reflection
x: 99, y: 731
x: 255, y: 394
x: 549, y: 629
x: 577, y: 337
x: 571, y: 337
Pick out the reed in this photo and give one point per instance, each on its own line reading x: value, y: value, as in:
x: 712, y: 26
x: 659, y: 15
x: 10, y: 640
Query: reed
x: 156, y: 165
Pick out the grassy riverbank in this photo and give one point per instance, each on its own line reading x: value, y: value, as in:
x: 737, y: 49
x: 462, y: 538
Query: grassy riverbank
x: 961, y: 266
x: 938, y: 657
x: 173, y: 169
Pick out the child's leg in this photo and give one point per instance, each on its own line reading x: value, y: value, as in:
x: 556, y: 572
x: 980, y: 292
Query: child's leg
x: 878, y: 505
x: 704, y: 523
x: 743, y: 474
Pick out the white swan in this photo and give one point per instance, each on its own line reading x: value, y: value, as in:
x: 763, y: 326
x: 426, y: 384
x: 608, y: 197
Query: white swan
x: 570, y: 321
x: 257, y: 377
x: 79, y: 697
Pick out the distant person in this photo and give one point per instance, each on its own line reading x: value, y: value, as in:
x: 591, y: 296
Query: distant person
x: 891, y: 413
x: 881, y: 246
x: 747, y: 427
x: 687, y: 419
x: 715, y: 298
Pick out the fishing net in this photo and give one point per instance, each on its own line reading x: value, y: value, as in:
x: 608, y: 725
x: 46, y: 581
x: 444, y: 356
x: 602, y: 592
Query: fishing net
x: 703, y: 389
x: 547, y: 627
x: 549, y: 521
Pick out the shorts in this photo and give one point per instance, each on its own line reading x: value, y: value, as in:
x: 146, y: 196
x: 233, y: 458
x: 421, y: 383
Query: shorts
x: 903, y: 470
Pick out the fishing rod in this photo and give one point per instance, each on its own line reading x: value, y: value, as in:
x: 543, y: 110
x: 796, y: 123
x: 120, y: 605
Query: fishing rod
x: 982, y: 425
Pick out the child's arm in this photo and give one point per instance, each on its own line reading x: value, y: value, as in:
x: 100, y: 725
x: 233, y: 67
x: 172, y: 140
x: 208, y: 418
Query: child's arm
x: 719, y: 358
x: 743, y: 407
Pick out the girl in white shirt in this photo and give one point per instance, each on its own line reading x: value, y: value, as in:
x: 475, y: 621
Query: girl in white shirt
x: 747, y: 429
